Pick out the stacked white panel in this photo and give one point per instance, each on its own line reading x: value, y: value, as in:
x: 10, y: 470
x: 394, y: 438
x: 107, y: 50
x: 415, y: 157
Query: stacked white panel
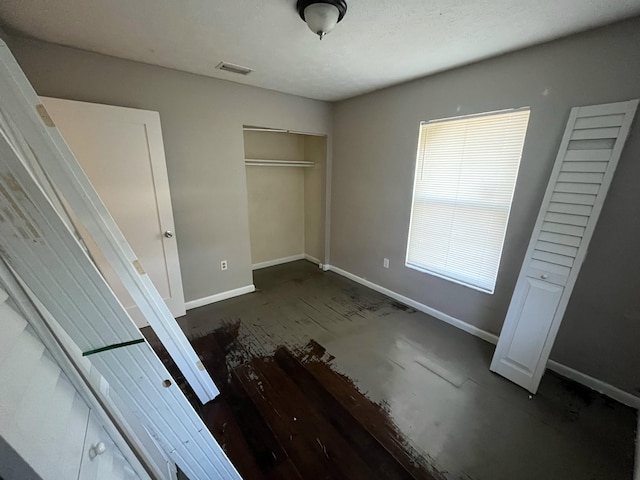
x: 38, y: 245
x: 43, y: 417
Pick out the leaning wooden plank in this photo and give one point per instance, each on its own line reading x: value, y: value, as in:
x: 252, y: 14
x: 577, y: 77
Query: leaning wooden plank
x: 20, y: 103
x: 41, y: 249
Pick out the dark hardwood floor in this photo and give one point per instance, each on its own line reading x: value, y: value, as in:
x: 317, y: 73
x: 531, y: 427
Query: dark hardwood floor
x: 291, y: 416
x: 406, y: 396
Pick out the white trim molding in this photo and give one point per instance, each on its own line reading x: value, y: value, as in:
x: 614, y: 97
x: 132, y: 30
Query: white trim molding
x: 595, y: 384
x: 579, y: 377
x: 637, y: 464
x: 278, y: 261
x: 218, y: 297
x: 311, y: 259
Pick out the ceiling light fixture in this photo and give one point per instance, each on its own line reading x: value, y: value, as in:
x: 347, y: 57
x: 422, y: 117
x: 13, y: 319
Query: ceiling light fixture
x: 322, y: 16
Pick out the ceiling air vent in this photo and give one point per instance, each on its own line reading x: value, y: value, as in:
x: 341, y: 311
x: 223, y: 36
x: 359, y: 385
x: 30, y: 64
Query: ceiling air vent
x: 230, y: 67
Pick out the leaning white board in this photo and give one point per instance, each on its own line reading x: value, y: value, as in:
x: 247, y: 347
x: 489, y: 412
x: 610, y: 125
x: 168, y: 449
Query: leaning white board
x: 44, y: 419
x: 35, y: 137
x: 582, y: 174
x: 46, y: 255
x: 39, y: 247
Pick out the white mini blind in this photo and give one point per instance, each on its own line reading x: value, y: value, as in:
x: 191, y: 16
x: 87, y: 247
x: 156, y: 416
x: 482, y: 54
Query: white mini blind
x: 466, y: 172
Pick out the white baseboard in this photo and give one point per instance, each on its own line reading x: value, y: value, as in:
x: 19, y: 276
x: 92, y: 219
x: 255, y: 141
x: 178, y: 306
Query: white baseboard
x: 637, y: 470
x: 579, y: 377
x: 483, y: 334
x: 218, y: 297
x: 311, y: 259
x: 278, y: 261
x: 595, y: 384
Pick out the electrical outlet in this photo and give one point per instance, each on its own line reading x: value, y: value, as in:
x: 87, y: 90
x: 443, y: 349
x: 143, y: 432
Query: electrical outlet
x: 385, y: 263
x: 223, y: 265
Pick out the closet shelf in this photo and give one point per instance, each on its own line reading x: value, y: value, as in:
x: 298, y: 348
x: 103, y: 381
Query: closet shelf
x: 256, y: 162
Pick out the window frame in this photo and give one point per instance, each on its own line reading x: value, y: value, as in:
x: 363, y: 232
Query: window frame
x: 421, y: 132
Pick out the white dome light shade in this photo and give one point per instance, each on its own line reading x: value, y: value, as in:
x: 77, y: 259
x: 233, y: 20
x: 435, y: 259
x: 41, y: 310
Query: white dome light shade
x: 321, y: 18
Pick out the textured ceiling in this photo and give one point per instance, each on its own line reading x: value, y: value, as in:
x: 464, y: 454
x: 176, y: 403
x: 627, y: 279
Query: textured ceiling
x: 379, y: 42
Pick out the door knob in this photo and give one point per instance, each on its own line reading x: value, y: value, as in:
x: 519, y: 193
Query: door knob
x: 168, y: 234
x: 544, y: 276
x: 97, y: 449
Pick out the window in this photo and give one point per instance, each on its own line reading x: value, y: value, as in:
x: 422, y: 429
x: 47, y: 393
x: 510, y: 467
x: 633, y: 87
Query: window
x: 466, y: 172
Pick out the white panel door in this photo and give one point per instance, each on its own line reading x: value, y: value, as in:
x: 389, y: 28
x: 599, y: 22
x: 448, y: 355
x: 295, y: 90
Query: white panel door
x: 586, y: 162
x: 121, y: 151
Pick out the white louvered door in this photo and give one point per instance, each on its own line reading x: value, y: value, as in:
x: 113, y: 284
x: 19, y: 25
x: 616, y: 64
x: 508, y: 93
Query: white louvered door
x: 586, y: 162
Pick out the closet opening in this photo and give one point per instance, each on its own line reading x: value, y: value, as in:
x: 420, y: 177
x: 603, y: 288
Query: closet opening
x: 286, y: 181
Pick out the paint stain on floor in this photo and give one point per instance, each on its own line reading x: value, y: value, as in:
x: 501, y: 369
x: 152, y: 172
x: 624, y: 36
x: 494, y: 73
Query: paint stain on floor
x: 290, y: 415
x: 424, y: 384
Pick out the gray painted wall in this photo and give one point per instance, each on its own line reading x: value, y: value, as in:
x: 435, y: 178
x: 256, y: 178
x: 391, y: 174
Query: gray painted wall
x: 202, y: 122
x: 276, y: 196
x: 374, y: 156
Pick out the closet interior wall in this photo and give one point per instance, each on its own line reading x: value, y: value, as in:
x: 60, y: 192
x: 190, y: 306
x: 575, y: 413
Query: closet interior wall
x: 286, y: 203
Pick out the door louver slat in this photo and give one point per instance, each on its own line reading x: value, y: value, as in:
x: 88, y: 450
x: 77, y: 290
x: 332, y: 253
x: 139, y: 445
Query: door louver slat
x: 570, y: 209
x: 595, y: 133
x: 560, y: 239
x: 573, y: 198
x: 564, y: 229
x: 600, y: 121
x: 588, y: 156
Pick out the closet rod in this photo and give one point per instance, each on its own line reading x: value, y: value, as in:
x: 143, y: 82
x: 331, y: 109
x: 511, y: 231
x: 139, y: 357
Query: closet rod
x: 252, y: 162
